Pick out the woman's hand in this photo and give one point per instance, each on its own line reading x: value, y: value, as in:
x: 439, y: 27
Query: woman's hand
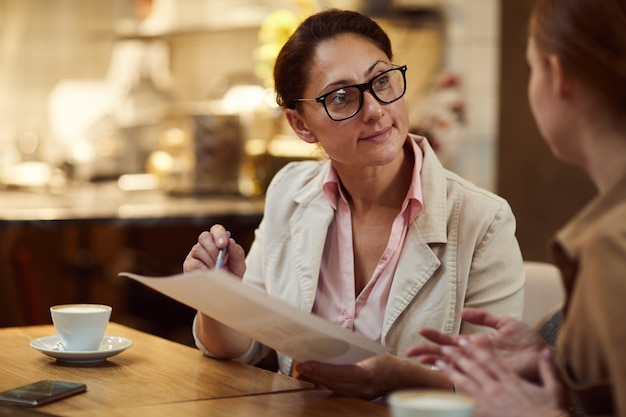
x: 516, y: 344
x: 220, y: 340
x: 203, y: 255
x: 372, y: 377
x: 499, y: 391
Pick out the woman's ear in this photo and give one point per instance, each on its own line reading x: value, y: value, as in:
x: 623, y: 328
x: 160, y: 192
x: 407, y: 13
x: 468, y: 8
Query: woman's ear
x: 562, y: 84
x: 299, y: 126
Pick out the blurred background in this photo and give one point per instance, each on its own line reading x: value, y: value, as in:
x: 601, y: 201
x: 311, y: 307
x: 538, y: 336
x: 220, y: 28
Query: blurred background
x: 96, y: 86
x: 129, y: 126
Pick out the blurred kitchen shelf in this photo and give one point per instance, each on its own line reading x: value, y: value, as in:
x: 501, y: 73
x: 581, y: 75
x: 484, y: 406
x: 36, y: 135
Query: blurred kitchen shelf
x: 107, y: 203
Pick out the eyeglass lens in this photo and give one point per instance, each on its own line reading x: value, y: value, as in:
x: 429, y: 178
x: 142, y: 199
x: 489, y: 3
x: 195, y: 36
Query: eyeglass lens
x: 345, y: 102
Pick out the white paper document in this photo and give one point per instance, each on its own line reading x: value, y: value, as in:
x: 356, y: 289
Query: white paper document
x: 271, y: 321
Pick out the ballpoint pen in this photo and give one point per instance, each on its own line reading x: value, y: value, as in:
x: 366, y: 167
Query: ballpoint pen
x: 221, y: 255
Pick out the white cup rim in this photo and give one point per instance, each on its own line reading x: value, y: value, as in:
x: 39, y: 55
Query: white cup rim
x: 94, y: 306
x: 400, y: 397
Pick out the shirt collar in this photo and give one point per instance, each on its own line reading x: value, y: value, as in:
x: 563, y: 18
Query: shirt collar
x: 573, y: 235
x: 414, y: 200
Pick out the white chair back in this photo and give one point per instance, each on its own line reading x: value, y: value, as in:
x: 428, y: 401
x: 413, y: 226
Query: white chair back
x: 543, y: 291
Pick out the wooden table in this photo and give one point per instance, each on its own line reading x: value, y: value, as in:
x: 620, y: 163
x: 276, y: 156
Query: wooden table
x: 158, y: 377
x: 152, y: 371
x: 307, y: 403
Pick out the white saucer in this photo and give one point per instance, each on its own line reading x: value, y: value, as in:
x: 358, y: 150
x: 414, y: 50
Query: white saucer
x: 110, y: 346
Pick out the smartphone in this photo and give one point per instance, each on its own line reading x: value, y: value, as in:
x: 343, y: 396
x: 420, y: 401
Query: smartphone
x: 41, y: 392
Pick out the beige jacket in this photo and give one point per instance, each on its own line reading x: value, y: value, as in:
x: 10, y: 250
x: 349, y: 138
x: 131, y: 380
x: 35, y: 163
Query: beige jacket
x: 591, y: 254
x: 460, y: 251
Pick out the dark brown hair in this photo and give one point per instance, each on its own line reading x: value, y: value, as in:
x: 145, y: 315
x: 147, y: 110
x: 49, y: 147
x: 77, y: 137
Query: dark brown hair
x: 589, y: 36
x: 294, y: 60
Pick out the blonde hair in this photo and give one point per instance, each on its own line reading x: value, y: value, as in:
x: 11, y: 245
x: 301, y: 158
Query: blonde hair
x: 589, y: 37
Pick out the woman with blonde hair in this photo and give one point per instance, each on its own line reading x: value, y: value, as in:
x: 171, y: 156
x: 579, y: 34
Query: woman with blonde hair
x: 577, y: 90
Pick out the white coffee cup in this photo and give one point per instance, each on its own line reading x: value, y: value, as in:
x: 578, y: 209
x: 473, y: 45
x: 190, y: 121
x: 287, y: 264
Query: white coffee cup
x: 428, y: 403
x: 80, y: 327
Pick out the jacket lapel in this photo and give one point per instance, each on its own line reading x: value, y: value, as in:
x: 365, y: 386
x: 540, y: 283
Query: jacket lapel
x: 308, y: 227
x: 416, y: 266
x: 418, y: 262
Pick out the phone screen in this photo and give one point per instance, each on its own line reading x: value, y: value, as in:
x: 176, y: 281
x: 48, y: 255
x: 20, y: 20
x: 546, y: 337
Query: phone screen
x: 41, y: 392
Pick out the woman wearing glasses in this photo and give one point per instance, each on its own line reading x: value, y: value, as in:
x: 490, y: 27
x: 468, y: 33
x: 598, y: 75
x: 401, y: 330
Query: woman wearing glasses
x: 379, y: 238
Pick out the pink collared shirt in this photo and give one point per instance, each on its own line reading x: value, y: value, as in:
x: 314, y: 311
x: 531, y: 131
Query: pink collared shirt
x: 336, y: 300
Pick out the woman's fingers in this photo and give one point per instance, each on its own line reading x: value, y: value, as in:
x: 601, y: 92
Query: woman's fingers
x: 548, y: 372
x: 438, y: 337
x: 220, y: 235
x: 424, y: 349
x: 477, y: 364
x: 429, y: 352
x: 206, y: 249
x: 203, y: 255
x: 459, y: 378
x: 481, y: 317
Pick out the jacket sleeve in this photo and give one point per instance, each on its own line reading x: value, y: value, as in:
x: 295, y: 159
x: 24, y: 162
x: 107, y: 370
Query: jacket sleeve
x: 591, y: 343
x: 496, y: 282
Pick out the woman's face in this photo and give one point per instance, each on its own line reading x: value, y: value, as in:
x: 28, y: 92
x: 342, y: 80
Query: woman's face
x: 376, y: 134
x: 548, y: 105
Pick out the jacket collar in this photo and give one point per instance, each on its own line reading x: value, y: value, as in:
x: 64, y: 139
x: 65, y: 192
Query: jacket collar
x: 431, y: 222
x: 417, y: 262
x: 573, y: 235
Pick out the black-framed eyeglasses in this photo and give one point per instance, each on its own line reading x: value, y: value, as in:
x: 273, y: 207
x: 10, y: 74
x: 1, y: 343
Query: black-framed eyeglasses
x: 345, y: 102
